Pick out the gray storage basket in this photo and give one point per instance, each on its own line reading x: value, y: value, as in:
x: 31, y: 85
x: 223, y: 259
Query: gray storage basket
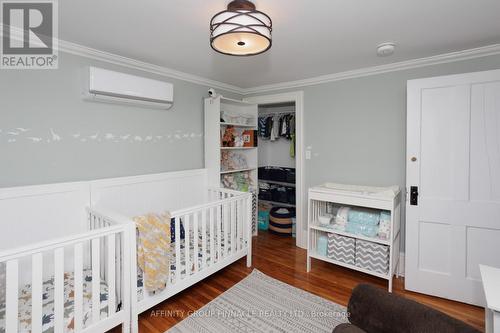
x: 341, y: 248
x: 372, y: 256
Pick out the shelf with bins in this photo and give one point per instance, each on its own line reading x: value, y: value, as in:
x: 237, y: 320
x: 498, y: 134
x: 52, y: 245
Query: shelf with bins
x: 364, y: 251
x: 276, y: 182
x: 315, y: 255
x: 277, y: 203
x: 316, y: 226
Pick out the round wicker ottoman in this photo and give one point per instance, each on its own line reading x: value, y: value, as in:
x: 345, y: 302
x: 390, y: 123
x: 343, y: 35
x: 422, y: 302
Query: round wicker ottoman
x: 280, y: 220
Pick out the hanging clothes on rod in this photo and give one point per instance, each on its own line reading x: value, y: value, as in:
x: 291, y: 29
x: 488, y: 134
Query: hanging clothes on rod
x: 278, y: 125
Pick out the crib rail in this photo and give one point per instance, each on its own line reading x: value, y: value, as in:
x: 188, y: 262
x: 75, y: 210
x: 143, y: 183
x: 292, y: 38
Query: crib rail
x: 69, y: 254
x: 224, y: 225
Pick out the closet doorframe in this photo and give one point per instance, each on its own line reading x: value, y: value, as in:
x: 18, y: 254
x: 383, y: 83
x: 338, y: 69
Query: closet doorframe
x: 296, y: 97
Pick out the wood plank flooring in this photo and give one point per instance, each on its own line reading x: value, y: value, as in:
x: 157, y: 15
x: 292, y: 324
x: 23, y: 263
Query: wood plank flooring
x: 278, y: 257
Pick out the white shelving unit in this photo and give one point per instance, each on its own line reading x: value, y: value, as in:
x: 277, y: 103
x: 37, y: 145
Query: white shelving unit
x: 320, y: 195
x: 276, y: 203
x: 247, y: 113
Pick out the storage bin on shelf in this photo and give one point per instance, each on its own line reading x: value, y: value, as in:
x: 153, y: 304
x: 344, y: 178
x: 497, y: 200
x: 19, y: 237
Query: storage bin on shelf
x: 278, y: 174
x: 290, y: 175
x: 291, y: 195
x: 264, y: 173
x: 279, y: 194
x: 372, y: 256
x: 265, y: 193
x: 341, y: 248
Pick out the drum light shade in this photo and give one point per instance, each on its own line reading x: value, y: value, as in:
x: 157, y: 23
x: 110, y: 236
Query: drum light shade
x: 241, y: 30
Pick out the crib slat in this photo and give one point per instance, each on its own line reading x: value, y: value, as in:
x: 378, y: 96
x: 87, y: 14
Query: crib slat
x: 59, y: 290
x: 110, y: 274
x: 78, y: 253
x: 234, y: 224
x: 36, y: 292
x: 203, y: 238
x: 118, y: 266
x: 177, y: 249
x: 248, y: 230
x: 219, y: 226
x: 244, y: 222
x: 11, y: 296
x: 227, y: 233
x: 187, y: 245
x: 96, y: 281
x: 211, y: 213
x: 195, y: 242
x: 238, y: 224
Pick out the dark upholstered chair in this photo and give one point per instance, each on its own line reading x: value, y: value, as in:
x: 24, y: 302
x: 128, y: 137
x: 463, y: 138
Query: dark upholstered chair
x: 374, y: 310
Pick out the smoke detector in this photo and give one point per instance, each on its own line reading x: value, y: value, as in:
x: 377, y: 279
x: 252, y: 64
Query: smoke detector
x: 385, y: 49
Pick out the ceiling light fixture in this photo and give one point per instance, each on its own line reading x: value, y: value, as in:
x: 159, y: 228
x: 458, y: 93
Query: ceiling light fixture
x: 241, y: 30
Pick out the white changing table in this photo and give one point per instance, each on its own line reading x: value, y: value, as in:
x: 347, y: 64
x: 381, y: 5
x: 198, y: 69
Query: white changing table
x: 381, y: 198
x: 491, y: 285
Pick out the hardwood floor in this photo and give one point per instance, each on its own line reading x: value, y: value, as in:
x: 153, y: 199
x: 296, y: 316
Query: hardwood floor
x: 278, y: 257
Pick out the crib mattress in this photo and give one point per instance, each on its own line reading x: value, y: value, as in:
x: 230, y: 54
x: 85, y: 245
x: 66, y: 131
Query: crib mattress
x: 48, y: 304
x: 173, y: 268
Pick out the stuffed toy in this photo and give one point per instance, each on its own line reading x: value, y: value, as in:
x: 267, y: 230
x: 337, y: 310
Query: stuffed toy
x: 228, y: 137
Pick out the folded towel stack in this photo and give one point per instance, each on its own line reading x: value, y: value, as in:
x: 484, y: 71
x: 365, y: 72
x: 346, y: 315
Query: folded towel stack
x: 384, y: 228
x: 363, y: 222
x: 364, y: 216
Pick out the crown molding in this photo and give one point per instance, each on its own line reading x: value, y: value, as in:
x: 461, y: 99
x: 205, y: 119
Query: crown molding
x: 80, y: 50
x: 84, y: 51
x: 87, y: 52
x: 367, y: 71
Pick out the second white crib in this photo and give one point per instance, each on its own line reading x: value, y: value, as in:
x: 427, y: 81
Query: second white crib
x: 217, y: 233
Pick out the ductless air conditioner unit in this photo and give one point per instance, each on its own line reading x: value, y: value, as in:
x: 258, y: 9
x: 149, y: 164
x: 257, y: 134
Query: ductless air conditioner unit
x: 114, y: 87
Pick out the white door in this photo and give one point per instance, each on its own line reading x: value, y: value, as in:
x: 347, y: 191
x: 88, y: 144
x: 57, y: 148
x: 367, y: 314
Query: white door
x: 453, y: 157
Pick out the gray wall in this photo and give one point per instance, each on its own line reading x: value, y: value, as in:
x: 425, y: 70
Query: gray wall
x: 357, y: 127
x: 130, y: 140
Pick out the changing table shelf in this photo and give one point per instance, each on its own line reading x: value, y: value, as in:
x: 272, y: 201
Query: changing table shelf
x: 343, y: 264
x: 316, y: 226
x: 380, y: 199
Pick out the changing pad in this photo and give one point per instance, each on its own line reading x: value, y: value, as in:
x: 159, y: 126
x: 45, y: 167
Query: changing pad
x: 384, y: 192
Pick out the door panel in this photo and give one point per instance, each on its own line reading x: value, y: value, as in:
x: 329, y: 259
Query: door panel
x: 485, y: 142
x: 429, y: 260
x: 454, y: 134
x: 482, y: 247
x: 445, y: 120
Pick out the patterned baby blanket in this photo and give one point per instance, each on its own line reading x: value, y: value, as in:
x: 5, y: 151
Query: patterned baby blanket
x: 153, y: 249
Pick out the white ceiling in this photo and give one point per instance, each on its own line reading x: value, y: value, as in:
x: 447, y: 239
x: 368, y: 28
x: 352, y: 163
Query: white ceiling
x: 310, y: 37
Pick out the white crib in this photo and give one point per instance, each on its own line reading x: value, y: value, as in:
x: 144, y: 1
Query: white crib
x: 77, y: 282
x: 217, y: 224
x: 82, y: 235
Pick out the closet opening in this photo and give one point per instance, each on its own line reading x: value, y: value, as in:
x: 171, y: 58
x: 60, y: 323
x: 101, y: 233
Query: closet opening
x: 277, y: 212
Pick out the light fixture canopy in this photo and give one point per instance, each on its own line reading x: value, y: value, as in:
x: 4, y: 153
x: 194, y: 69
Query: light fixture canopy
x: 241, y: 30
